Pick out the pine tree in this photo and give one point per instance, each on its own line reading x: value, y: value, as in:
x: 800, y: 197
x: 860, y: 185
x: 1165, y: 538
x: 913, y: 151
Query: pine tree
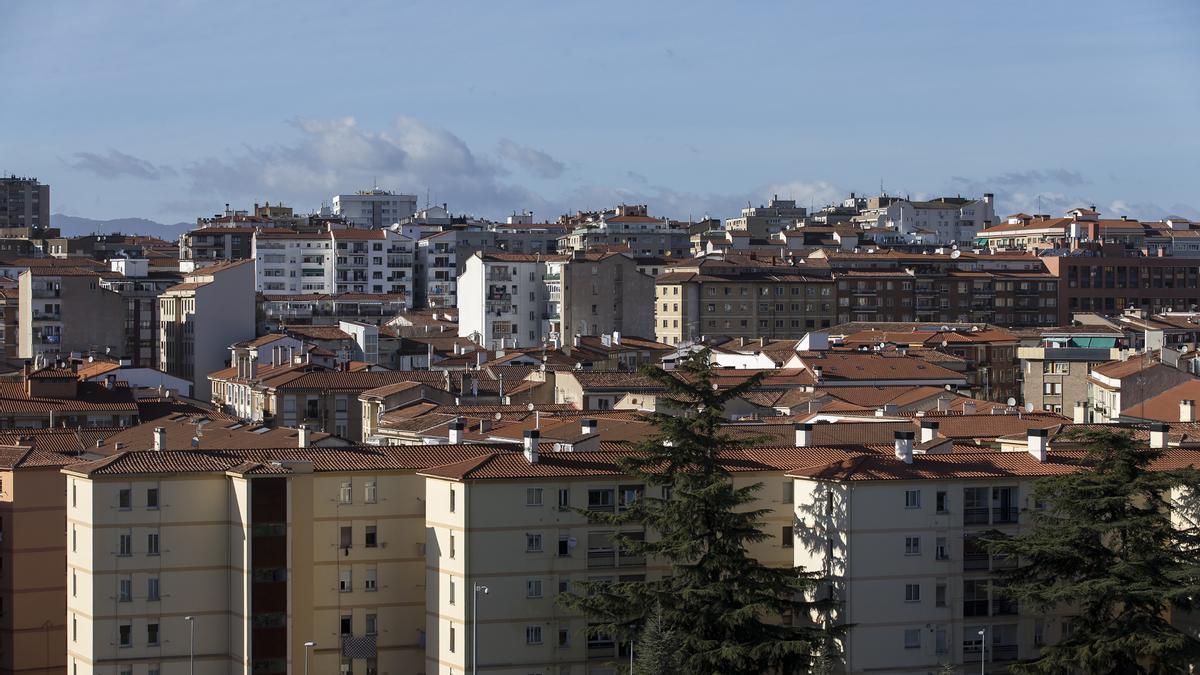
x: 656, y: 650
x: 1105, y: 551
x: 721, y: 606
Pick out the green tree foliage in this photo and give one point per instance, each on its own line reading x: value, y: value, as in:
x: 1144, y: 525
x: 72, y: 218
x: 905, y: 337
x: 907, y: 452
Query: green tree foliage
x: 1114, y: 548
x: 720, y: 606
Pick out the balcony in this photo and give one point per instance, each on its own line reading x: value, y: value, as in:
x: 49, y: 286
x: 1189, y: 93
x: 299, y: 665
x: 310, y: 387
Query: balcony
x: 550, y: 277
x: 47, y: 316
x: 1004, y: 607
x: 974, y: 562
x: 45, y: 292
x: 499, y: 275
x: 1005, y: 515
x: 976, y: 516
x: 1004, y: 653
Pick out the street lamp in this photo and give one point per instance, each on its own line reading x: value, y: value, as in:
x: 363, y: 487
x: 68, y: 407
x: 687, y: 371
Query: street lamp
x: 475, y: 626
x: 307, y: 646
x: 191, y: 644
x: 982, y: 651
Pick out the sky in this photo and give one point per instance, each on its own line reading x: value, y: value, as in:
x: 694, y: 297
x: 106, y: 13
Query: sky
x: 169, y: 109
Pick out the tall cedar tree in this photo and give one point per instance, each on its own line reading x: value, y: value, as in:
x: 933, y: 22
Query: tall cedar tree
x: 720, y: 606
x: 1104, y: 551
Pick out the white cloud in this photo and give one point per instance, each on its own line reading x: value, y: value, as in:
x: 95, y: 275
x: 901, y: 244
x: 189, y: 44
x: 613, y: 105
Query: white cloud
x: 533, y: 160
x: 115, y: 164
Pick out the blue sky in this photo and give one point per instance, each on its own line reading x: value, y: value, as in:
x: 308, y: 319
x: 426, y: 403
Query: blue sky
x: 169, y: 109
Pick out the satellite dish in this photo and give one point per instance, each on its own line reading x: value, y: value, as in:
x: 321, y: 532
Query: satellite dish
x: 1012, y: 401
x: 497, y: 417
x: 529, y: 407
x: 1029, y: 407
x: 955, y: 254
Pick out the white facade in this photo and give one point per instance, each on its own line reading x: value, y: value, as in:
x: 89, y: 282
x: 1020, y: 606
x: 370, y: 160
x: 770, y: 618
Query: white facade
x: 935, y: 222
x: 502, y: 300
x: 337, y: 261
x: 374, y: 208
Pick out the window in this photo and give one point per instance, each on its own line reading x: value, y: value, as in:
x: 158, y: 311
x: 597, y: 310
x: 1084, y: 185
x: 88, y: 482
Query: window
x: 452, y: 549
x: 533, y: 543
x: 369, y: 492
x: 151, y: 633
x: 152, y: 589
x: 452, y: 501
x: 533, y: 635
x: 912, y: 638
x: 564, y: 499
x: 125, y: 545
x: 125, y: 635
x: 345, y: 536
x: 452, y: 638
x: 564, y: 637
x: 787, y: 538
x: 124, y: 590
x: 939, y: 593
x: 912, y: 592
x: 564, y: 546
x: 533, y: 497
x: 346, y: 624
x: 372, y: 624
x: 152, y: 498
x: 74, y: 583
x: 345, y: 581
x: 630, y: 494
x: 372, y: 582
x: 152, y: 543
x: 452, y: 591
x: 1052, y: 388
x: 600, y: 500
x: 912, y: 546
x: 123, y: 498
x: 789, y: 491
x: 940, y: 550
x: 943, y: 502
x: 372, y: 538
x: 533, y: 588
x: 346, y: 494
x: 912, y: 499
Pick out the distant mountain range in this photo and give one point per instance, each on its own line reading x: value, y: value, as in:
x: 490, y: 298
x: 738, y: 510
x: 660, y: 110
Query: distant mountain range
x: 73, y: 226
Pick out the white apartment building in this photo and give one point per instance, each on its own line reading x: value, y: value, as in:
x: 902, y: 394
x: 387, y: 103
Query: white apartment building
x: 333, y: 262
x: 946, y: 220
x: 374, y: 208
x: 199, y: 318
x: 503, y: 299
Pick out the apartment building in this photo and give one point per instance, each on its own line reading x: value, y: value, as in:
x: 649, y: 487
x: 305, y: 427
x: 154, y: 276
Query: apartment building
x: 628, y: 225
x: 761, y: 221
x: 503, y: 299
x: 742, y: 296
x: 54, y: 396
x: 599, y: 293
x: 67, y: 309
x: 224, y: 241
x: 24, y: 208
x: 1111, y: 279
x: 374, y: 208
x: 10, y: 317
x: 440, y: 258
x: 139, y: 288
x: 288, y: 262
x: 324, y: 309
x: 945, y: 220
x: 200, y: 318
x: 1122, y: 385
x: 1056, y: 362
x: 305, y: 545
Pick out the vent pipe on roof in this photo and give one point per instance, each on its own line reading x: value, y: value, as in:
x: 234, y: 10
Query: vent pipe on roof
x: 929, y: 430
x: 1187, y: 410
x: 531, y: 445
x: 1036, y: 442
x: 303, y: 436
x: 904, y: 446
x: 160, y: 438
x: 968, y: 407
x: 1158, y: 435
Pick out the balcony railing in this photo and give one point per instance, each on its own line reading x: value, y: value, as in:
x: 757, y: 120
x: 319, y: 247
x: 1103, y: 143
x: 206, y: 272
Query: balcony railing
x: 975, y: 562
x: 1005, y: 515
x: 1004, y: 653
x: 975, y: 515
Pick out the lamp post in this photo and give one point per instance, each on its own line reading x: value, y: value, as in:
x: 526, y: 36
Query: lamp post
x: 307, y: 646
x: 475, y: 626
x: 191, y: 644
x: 982, y: 651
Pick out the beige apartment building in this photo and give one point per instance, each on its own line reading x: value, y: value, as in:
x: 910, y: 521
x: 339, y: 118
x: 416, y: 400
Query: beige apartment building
x: 742, y: 296
x: 64, y: 310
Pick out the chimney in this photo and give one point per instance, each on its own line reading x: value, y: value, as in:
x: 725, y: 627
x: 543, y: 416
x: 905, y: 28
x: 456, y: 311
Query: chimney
x: 303, y: 443
x: 531, y: 445
x: 969, y: 407
x: 160, y: 438
x: 456, y: 432
x: 1035, y: 443
x: 1158, y: 435
x: 904, y: 443
x: 1080, y: 414
x: 110, y: 381
x: 803, y: 434
x: 587, y: 426
x: 817, y: 371
x: 616, y: 337
x: 929, y: 430
x: 1187, y: 410
x: 741, y: 342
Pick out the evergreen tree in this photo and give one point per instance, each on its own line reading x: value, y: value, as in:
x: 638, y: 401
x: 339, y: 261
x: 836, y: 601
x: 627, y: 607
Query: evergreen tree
x: 656, y: 650
x: 1104, y: 550
x: 721, y: 606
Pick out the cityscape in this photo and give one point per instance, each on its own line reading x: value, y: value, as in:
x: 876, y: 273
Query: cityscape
x: 361, y: 415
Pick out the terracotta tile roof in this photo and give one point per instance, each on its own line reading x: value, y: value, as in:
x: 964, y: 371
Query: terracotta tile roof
x: 1136, y: 363
x: 601, y: 380
x: 212, y: 430
x: 91, y: 397
x: 498, y: 256
x: 88, y: 371
x: 899, y: 396
x: 52, y: 373
x: 854, y: 366
x: 317, y: 332
x: 389, y: 389
x: 58, y: 439
x: 23, y: 457
x: 1165, y: 406
x: 990, y: 427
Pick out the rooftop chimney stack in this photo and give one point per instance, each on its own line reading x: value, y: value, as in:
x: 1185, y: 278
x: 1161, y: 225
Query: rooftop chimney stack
x: 456, y: 432
x: 1158, y: 435
x: 904, y: 446
x: 817, y: 371
x: 587, y: 426
x: 160, y: 438
x: 968, y: 407
x: 929, y: 430
x: 1080, y: 413
x: 1036, y: 442
x: 531, y: 445
x: 803, y: 435
x: 1187, y: 410
x: 303, y: 435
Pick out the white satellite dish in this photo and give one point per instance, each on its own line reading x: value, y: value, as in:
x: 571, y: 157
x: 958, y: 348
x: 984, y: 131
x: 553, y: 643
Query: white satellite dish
x: 1012, y: 401
x: 529, y: 407
x: 1029, y: 407
x: 955, y: 254
x: 497, y: 417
